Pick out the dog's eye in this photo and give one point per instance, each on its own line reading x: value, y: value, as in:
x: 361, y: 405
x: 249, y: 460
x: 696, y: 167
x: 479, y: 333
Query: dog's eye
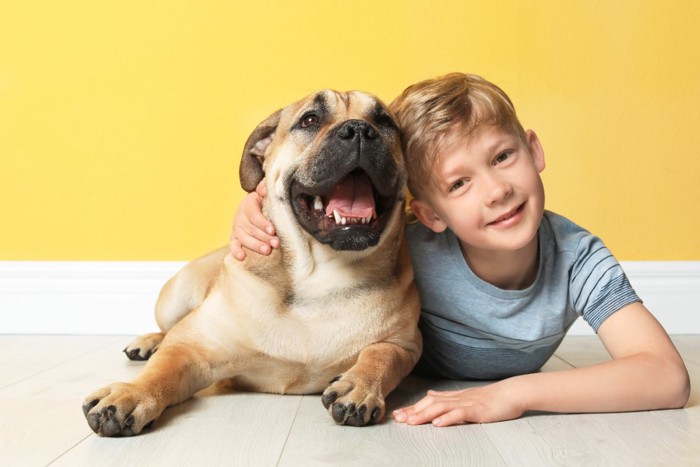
x: 384, y: 120
x: 309, y: 120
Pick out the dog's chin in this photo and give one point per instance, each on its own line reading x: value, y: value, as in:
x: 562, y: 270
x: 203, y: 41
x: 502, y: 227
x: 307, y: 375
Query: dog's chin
x: 340, y: 232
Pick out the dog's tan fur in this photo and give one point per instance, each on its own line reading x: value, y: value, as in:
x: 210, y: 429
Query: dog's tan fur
x: 287, y: 323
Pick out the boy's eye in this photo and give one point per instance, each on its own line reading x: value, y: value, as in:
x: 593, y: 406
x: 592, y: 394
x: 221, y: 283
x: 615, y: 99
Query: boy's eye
x: 456, y: 185
x: 501, y: 157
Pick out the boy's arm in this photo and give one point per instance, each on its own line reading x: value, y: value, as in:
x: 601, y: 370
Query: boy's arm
x: 251, y: 229
x: 645, y: 373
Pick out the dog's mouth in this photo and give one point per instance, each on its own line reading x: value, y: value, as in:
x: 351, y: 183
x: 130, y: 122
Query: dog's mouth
x: 351, y: 215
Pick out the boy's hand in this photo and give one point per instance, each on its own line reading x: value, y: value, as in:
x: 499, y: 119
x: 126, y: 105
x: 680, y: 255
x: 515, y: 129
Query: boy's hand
x: 251, y: 229
x: 474, y: 405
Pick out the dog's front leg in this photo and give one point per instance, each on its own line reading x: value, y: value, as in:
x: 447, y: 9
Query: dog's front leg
x: 357, y: 396
x: 172, y: 375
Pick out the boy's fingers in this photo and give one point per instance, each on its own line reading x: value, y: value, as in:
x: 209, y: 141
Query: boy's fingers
x: 432, y: 392
x: 259, y: 219
x: 399, y: 415
x: 261, y: 189
x: 427, y: 414
x: 237, y: 249
x: 256, y: 233
x: 453, y: 417
x: 254, y: 241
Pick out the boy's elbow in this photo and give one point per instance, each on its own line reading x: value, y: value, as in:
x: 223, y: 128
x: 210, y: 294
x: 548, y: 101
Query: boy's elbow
x: 677, y: 384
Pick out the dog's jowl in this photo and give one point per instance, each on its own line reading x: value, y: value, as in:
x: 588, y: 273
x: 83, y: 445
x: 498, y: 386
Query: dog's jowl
x: 334, y: 310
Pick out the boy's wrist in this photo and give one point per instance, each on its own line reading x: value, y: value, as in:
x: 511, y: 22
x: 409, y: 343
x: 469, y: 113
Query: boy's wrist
x: 519, y: 391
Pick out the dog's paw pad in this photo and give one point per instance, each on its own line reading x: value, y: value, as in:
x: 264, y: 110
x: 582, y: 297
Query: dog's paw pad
x: 348, y: 404
x: 120, y: 410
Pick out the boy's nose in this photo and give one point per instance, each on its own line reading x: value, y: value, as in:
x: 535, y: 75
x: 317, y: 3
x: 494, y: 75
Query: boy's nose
x: 497, y: 190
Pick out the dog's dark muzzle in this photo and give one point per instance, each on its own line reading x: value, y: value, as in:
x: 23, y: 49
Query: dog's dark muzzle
x: 344, y: 196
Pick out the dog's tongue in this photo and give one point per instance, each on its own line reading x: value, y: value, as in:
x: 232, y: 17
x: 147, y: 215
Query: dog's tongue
x: 352, y: 197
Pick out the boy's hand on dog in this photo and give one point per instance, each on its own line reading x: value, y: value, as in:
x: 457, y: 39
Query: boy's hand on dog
x: 251, y: 229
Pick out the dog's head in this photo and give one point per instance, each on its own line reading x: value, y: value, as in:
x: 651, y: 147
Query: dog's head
x: 333, y: 159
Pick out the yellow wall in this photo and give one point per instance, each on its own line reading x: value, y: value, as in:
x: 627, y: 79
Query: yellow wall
x: 122, y: 122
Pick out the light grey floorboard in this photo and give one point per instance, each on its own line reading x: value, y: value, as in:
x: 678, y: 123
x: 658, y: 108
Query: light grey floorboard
x: 225, y: 429
x: 40, y: 416
x: 41, y: 422
x: 634, y: 439
x: 686, y: 422
x: 29, y: 355
x: 316, y: 440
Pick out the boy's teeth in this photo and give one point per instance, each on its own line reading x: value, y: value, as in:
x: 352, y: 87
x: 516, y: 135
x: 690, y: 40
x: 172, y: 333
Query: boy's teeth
x: 318, y: 203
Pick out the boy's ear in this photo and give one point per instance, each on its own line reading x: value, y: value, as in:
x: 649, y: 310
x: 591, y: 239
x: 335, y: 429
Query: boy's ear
x: 536, y: 150
x: 427, y: 216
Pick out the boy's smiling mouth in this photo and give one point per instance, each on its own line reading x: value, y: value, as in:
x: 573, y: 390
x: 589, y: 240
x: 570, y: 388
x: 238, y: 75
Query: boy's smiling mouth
x: 509, y: 218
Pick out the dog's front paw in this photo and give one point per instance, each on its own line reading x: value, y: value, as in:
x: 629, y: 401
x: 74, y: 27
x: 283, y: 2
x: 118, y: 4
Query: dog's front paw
x: 120, y: 409
x: 351, y: 403
x: 144, y: 346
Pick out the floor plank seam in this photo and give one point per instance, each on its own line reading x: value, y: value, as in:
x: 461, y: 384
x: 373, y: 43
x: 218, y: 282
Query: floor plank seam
x: 565, y: 360
x: 289, y: 433
x: 69, y: 449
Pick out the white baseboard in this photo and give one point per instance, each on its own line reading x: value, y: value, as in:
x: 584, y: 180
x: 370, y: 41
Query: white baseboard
x: 117, y: 297
x: 38, y: 297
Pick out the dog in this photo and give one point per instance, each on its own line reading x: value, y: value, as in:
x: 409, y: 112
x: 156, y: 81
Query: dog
x: 333, y: 310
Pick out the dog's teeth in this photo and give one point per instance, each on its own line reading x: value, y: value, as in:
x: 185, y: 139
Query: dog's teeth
x: 337, y: 217
x: 368, y: 219
x: 318, y: 203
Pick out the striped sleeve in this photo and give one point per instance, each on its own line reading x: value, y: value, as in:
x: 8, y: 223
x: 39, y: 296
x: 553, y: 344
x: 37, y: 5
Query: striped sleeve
x: 599, y: 286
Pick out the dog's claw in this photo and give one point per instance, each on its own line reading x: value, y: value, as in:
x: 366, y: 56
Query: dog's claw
x: 88, y: 406
x: 340, y: 411
x: 328, y: 399
x: 135, y: 355
x: 375, y: 416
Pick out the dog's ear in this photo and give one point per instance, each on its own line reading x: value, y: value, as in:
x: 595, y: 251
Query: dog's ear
x: 250, y: 170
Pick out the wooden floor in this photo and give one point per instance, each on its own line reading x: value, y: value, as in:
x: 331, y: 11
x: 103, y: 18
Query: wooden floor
x: 44, y: 379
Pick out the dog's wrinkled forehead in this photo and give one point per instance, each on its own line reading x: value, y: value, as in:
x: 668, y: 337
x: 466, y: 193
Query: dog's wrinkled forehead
x: 330, y: 107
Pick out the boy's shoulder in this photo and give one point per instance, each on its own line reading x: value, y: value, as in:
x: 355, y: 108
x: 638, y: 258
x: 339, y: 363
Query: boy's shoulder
x: 563, y: 236
x: 561, y: 223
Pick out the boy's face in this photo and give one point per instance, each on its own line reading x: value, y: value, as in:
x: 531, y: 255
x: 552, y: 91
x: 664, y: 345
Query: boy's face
x: 488, y: 191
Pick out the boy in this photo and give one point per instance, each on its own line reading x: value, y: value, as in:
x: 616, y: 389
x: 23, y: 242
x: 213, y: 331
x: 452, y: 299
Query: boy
x: 501, y: 280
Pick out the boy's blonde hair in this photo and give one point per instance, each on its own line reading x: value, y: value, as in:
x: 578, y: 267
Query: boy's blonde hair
x: 427, y: 111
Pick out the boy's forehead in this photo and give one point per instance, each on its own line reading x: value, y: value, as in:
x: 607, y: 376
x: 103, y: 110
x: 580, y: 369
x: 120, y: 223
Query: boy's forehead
x: 482, y: 137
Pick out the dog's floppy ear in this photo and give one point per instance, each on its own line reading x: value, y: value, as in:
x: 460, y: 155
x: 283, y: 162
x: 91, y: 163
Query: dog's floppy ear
x: 250, y: 170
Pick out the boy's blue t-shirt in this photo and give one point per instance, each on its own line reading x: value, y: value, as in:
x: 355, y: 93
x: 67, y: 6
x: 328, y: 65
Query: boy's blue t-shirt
x: 474, y: 330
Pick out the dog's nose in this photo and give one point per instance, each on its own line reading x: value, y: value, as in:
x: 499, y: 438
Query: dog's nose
x: 356, y: 129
